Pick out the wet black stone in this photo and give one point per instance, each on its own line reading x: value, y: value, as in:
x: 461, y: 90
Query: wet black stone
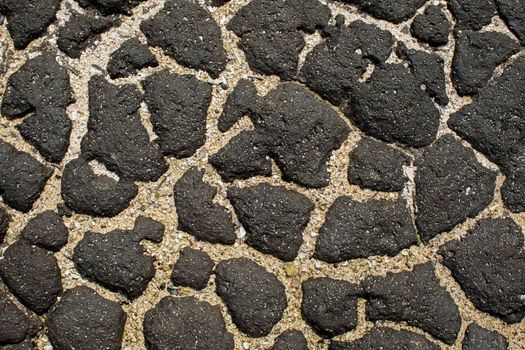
x: 513, y: 13
x: 178, y: 105
x: 186, y: 324
x: 197, y: 214
x: 431, y: 27
x: 84, y: 320
x: 108, y: 7
x: 98, y: 195
x: 390, y: 10
x: 489, y: 265
x: 414, y: 297
x: 290, y: 125
x: 82, y: 30
x: 116, y: 136
x: 476, y: 57
x: 193, y: 269
x: 329, y: 306
x: 274, y: 218
x: 386, y: 338
x: 255, y: 298
x: 377, y: 166
x: 28, y: 20
x: 391, y: 106
x: 116, y: 260
x: 478, y: 338
x: 355, y: 230
x: 129, y: 58
x: 46, y: 230
x: 4, y: 224
x: 472, y: 14
x: 271, y: 32
x: 188, y: 33
x: 14, y: 324
x: 22, y: 177
x: 290, y: 340
x: 451, y: 186
x: 32, y: 275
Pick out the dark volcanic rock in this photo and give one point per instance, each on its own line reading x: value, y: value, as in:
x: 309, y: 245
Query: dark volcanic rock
x: 386, y: 338
x: 148, y: 228
x: 108, y: 7
x: 193, y: 269
x: 217, y: 3
x: 290, y: 125
x: 390, y: 10
x: 330, y: 306
x: 290, y: 340
x: 431, y: 27
x: 489, y: 264
x: 84, y: 320
x: 255, y: 298
x: 414, y: 297
x: 22, y: 177
x: 14, y: 324
x: 271, y: 32
x: 116, y: 136
x: 513, y: 13
x: 188, y: 33
x: 274, y: 218
x: 129, y: 58
x: 178, y: 105
x: 377, y: 166
x: 197, y: 214
x: 186, y: 324
x: 451, y: 186
x: 99, y: 195
x: 355, y: 230
x: 25, y: 345
x: 28, y: 19
x: 4, y: 224
x: 81, y: 31
x: 32, y: 274
x: 46, y: 230
x: 472, y: 14
x: 478, y: 338
x: 476, y: 57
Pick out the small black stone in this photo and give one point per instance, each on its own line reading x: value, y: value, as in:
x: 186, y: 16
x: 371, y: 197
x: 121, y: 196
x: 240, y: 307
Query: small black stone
x: 148, y: 228
x: 329, y: 306
x: 188, y: 33
x: 489, y: 265
x: 193, y: 269
x: 478, y: 338
x: 377, y: 166
x: 355, y: 230
x: 386, y: 338
x: 4, y: 224
x: 431, y: 27
x: 513, y: 13
x: 108, y: 7
x: 255, y: 298
x: 129, y: 58
x: 46, y: 230
x: 451, y: 186
x: 25, y: 345
x: 197, y: 213
x: 472, y: 14
x: 414, y: 297
x: 390, y: 10
x: 290, y: 340
x: 186, y: 324
x: 274, y: 218
x: 217, y: 3
x: 14, y: 324
x: 32, y: 275
x: 84, y: 320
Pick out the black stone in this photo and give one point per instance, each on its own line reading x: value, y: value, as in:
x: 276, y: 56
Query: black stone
x: 22, y: 177
x: 197, y: 214
x: 32, y: 275
x: 28, y: 20
x: 431, y: 27
x: 355, y: 230
x: 386, y: 338
x: 274, y: 218
x: 129, y: 58
x: 476, y: 57
x: 14, y: 324
x: 84, y: 320
x: 108, y: 7
x: 513, y: 13
x: 178, y: 105
x: 148, y: 228
x: 255, y: 298
x: 186, y: 324
x: 193, y: 269
x: 290, y: 340
x: 4, y: 224
x: 472, y: 14
x: 217, y: 3
x: 451, y: 186
x: 478, y: 338
x: 25, y: 345
x: 188, y: 33
x: 377, y: 166
x: 414, y: 297
x: 489, y: 265
x: 390, y: 10
x: 46, y: 230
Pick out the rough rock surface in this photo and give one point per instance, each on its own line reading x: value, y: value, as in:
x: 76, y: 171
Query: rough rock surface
x: 193, y: 269
x: 290, y: 340
x: 513, y: 13
x: 14, y: 324
x: 478, y: 338
x: 129, y: 58
x: 108, y: 7
x: 255, y: 298
x: 186, y: 324
x: 472, y: 14
x: 274, y: 218
x: 431, y: 27
x: 4, y: 224
x: 46, y: 230
x: 390, y: 10
x: 386, y: 338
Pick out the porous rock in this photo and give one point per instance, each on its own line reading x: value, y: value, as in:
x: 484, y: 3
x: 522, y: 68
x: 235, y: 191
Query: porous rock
x: 46, y: 230
x: 129, y: 58
x: 479, y: 338
x: 192, y: 269
x: 432, y: 26
x: 386, y: 338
